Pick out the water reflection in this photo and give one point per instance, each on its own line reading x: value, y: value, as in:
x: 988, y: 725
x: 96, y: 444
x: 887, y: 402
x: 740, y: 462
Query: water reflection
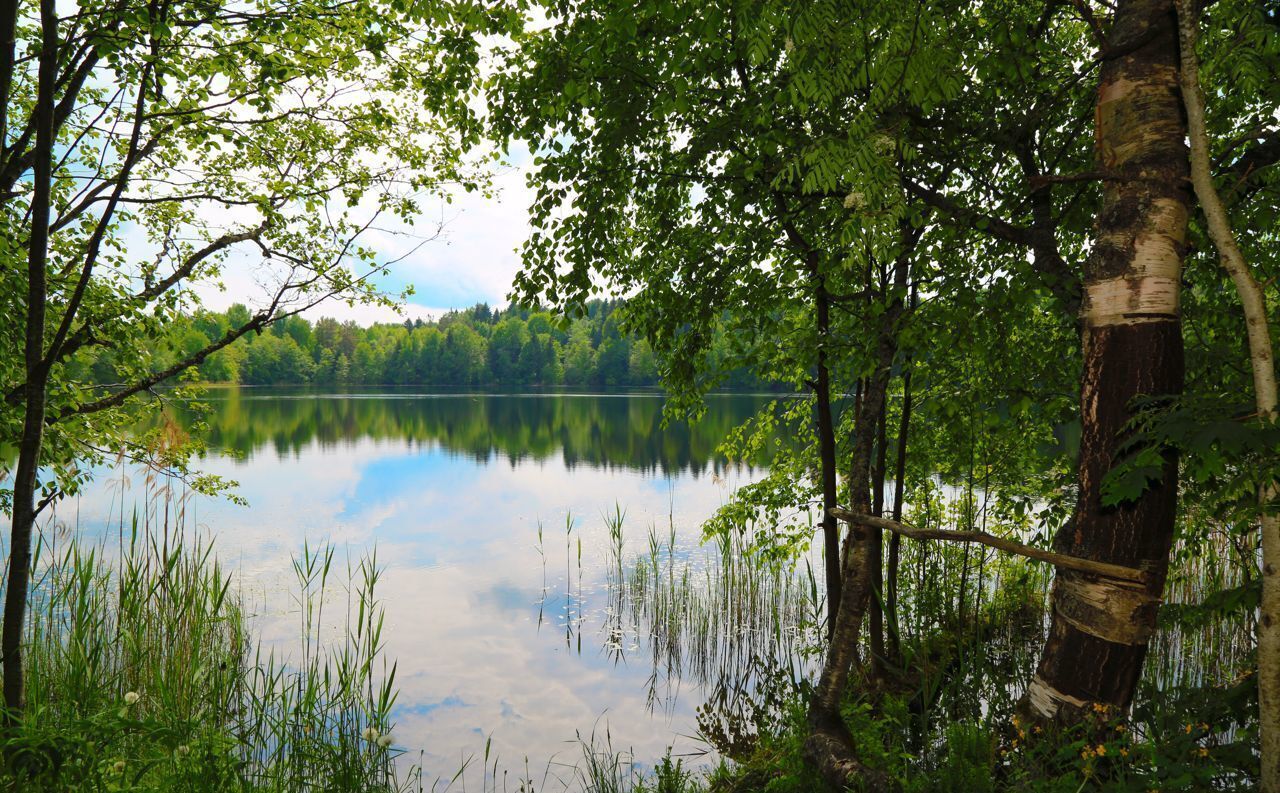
x: 498, y: 635
x: 604, y: 431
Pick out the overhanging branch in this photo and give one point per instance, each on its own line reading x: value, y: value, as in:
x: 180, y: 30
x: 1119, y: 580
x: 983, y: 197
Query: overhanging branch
x: 1119, y: 572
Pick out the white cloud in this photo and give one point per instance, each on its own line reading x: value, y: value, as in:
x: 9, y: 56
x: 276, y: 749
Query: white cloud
x: 473, y: 259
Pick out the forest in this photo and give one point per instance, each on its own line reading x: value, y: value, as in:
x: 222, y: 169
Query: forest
x: 1012, y: 268
x: 474, y: 347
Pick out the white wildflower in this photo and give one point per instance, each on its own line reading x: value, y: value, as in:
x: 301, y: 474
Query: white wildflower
x: 385, y: 741
x: 132, y: 697
x: 370, y: 734
x: 183, y: 750
x: 855, y: 200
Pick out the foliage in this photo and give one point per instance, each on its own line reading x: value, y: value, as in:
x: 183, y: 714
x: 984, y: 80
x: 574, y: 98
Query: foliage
x: 474, y: 347
x: 193, y: 143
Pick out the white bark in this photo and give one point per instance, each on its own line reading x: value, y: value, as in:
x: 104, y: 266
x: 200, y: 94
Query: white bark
x: 1262, y: 361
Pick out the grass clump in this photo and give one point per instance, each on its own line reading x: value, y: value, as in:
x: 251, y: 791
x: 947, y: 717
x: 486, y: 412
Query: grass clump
x: 142, y: 676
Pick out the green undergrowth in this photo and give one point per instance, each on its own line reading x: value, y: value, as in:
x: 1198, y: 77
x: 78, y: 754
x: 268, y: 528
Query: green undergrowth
x: 142, y: 676
x: 976, y: 756
x: 1195, y: 739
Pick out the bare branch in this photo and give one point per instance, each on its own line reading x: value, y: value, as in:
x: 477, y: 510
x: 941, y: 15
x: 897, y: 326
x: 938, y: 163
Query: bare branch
x: 1064, y: 561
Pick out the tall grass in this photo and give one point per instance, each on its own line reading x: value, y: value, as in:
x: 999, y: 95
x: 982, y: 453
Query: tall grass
x: 142, y: 674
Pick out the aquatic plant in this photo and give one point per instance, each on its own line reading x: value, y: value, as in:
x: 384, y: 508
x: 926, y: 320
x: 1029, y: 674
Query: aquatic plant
x: 144, y: 674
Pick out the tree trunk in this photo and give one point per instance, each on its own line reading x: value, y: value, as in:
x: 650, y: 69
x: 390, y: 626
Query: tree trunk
x: 829, y: 746
x: 899, y: 493
x: 8, y: 32
x: 25, y: 478
x: 1262, y: 363
x: 875, y: 620
x: 826, y: 451
x: 1132, y: 344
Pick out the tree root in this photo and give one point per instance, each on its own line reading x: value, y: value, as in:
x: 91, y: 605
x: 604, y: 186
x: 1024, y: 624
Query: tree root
x: 829, y: 748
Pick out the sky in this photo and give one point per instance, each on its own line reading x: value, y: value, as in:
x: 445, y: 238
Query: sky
x: 473, y: 260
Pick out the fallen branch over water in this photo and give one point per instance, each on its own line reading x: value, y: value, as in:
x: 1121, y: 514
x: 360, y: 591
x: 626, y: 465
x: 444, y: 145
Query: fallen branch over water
x: 1119, y: 572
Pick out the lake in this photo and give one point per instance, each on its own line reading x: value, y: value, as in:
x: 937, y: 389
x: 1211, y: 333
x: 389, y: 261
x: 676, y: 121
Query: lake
x: 490, y: 515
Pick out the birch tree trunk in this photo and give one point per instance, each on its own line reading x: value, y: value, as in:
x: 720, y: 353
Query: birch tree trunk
x: 1132, y: 340
x: 1262, y: 363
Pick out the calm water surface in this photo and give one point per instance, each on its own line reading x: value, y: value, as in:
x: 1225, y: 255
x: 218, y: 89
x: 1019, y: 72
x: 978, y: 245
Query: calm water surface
x: 496, y: 634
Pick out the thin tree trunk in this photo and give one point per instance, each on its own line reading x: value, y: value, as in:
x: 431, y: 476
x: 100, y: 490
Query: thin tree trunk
x: 826, y: 450
x: 29, y: 447
x: 875, y: 622
x: 1262, y: 362
x: 8, y: 31
x: 899, y: 492
x: 1132, y: 340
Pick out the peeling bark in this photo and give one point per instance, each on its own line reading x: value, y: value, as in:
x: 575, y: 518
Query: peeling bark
x: 1132, y: 340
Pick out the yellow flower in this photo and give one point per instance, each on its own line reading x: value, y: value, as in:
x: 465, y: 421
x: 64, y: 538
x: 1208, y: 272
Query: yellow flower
x: 1102, y: 750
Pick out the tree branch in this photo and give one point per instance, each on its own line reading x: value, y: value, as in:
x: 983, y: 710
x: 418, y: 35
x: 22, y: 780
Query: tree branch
x: 1060, y: 560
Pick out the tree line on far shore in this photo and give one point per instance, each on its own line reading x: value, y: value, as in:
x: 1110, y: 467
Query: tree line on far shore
x: 478, y: 346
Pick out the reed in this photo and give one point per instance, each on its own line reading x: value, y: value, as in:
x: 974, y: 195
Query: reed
x: 143, y: 673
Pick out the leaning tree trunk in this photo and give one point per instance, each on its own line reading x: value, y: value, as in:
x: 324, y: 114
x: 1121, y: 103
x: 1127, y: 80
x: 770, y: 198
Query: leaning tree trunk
x: 1132, y: 340
x: 29, y: 447
x: 1262, y: 363
x: 829, y: 746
